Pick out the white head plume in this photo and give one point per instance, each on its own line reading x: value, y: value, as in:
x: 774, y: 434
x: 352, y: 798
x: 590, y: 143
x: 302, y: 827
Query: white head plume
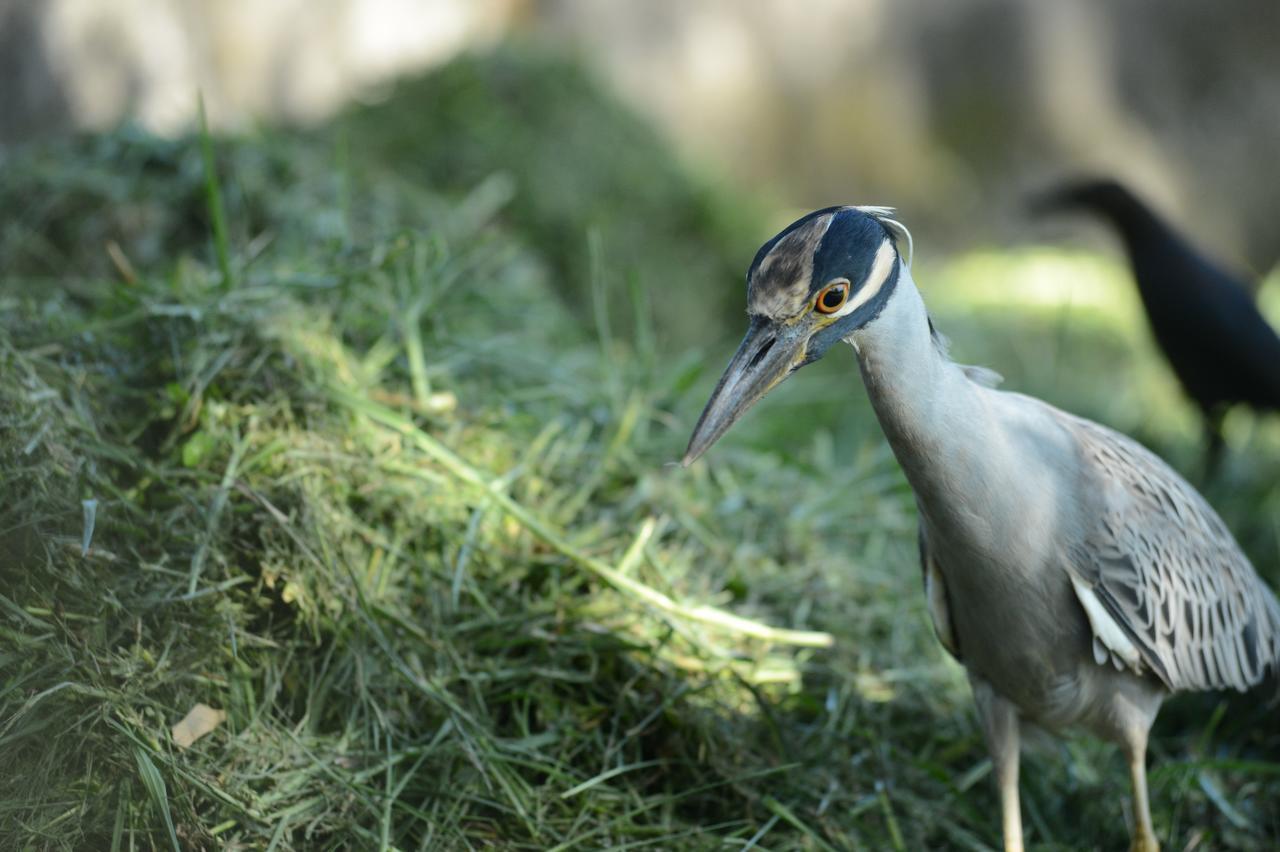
x: 884, y: 215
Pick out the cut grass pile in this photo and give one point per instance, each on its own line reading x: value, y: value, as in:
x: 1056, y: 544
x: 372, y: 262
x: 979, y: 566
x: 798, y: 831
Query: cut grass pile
x: 390, y: 508
x: 384, y: 499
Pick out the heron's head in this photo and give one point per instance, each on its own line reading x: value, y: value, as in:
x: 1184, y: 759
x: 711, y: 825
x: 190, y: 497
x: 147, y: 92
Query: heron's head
x: 823, y: 277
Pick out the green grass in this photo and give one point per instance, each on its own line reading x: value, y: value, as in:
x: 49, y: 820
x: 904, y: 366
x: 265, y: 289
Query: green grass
x: 408, y: 515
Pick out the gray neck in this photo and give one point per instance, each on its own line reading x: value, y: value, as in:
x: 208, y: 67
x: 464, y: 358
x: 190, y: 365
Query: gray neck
x: 929, y: 410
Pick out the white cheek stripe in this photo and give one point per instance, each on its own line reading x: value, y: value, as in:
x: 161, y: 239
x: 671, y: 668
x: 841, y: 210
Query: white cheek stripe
x: 876, y: 278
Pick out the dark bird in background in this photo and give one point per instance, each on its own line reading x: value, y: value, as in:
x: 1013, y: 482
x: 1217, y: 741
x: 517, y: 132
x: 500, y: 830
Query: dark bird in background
x: 1204, y: 319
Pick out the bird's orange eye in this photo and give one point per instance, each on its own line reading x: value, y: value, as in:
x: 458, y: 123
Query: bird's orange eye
x: 832, y: 298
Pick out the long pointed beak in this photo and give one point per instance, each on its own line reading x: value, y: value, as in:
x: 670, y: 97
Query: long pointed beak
x: 768, y: 354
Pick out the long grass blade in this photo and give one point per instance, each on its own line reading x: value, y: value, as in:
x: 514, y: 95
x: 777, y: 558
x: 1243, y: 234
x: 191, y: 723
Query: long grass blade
x: 213, y: 198
x: 153, y: 781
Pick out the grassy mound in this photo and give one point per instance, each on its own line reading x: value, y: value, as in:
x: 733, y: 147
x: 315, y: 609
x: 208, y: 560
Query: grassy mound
x: 389, y: 508
x: 387, y: 502
x: 593, y: 189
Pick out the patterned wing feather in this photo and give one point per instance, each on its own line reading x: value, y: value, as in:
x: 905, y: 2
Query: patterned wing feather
x: 1164, y: 568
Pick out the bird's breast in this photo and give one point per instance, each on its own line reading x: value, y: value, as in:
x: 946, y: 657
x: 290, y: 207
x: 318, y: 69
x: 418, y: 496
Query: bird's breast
x: 1014, y: 620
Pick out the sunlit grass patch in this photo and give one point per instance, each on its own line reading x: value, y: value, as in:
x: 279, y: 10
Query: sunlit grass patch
x: 1269, y: 292
x: 1034, y: 278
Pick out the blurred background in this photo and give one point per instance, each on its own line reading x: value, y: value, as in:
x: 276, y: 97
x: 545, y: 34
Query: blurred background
x: 948, y: 111
x: 952, y: 113
x: 524, y: 225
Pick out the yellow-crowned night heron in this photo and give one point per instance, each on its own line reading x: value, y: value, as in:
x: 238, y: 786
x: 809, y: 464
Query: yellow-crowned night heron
x: 1076, y: 576
x: 1205, y: 320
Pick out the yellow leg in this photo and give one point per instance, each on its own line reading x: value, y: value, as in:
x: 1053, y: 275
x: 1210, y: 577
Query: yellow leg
x: 1144, y: 836
x: 1000, y: 725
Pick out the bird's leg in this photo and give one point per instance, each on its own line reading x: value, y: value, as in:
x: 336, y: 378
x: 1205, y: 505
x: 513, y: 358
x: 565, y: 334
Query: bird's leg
x: 1002, y: 740
x: 1214, y: 443
x: 1144, y: 836
x: 1000, y: 726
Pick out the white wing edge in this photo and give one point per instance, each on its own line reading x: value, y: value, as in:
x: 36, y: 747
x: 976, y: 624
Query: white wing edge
x: 935, y: 593
x: 1106, y: 631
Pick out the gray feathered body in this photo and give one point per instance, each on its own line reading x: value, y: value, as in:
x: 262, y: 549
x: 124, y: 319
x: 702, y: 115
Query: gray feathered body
x: 1067, y: 567
x: 1075, y: 575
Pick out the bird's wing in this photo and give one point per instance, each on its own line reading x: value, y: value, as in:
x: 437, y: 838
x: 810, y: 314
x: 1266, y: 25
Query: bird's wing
x: 1162, y: 581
